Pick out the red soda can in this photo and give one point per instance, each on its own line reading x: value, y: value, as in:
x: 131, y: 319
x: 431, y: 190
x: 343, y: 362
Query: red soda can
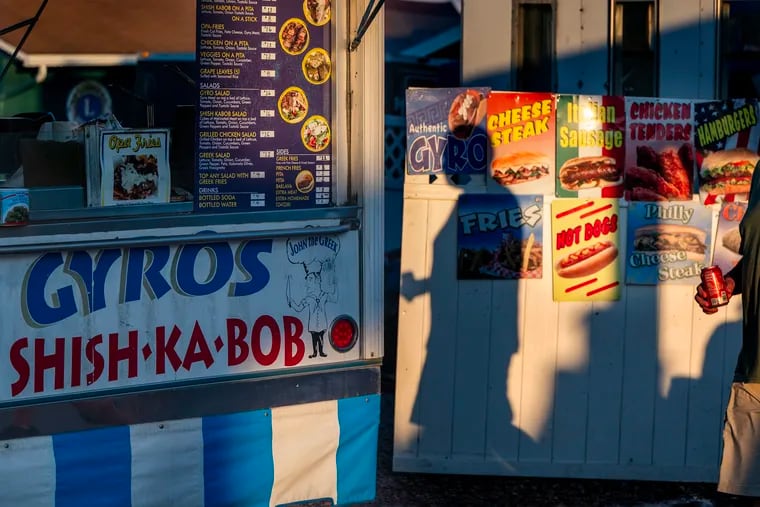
x: 712, y: 278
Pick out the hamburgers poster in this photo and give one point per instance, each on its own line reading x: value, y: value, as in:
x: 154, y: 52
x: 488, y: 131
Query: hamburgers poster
x: 727, y: 138
x: 499, y: 236
x: 659, y: 149
x: 521, y: 131
x: 590, y: 146
x: 667, y: 242
x: 586, y: 263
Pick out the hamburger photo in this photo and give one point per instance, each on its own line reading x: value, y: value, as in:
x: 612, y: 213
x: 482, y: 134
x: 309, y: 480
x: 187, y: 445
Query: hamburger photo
x: 660, y: 238
x: 589, y: 172
x: 727, y: 171
x: 519, y: 167
x: 467, y: 110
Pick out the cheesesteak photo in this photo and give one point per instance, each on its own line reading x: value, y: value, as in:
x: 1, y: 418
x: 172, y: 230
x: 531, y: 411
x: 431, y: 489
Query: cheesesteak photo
x: 520, y: 167
x: 660, y: 238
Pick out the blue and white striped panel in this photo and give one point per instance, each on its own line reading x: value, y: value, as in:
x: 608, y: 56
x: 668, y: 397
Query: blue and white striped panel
x: 324, y: 450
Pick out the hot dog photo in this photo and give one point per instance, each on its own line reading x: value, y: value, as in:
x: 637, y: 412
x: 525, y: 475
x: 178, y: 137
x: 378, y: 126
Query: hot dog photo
x: 586, y: 261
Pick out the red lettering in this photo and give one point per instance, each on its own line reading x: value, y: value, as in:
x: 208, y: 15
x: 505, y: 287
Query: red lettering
x: 733, y: 212
x: 237, y: 348
x: 116, y: 355
x: 76, y: 361
x: 164, y: 349
x: 54, y: 361
x: 197, y: 349
x: 256, y: 348
x: 568, y: 237
x: 20, y: 364
x: 95, y: 358
x: 294, y: 345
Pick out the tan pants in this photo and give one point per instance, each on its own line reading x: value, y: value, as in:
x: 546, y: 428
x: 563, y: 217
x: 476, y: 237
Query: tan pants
x: 740, y: 466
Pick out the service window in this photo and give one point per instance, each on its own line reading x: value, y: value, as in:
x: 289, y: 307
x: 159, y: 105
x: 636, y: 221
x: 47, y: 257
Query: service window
x: 634, y: 54
x: 739, y: 49
x: 533, y: 45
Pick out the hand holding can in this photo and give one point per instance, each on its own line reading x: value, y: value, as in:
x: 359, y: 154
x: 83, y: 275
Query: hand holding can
x: 714, y: 291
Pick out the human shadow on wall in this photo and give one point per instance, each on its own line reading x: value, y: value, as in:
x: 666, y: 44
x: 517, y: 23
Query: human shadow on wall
x: 461, y: 405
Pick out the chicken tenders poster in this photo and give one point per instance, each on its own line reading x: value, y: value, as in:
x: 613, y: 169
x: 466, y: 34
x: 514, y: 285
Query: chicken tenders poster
x: 499, y: 236
x: 445, y: 130
x: 590, y: 146
x: 727, y: 139
x: 659, y: 149
x: 667, y: 242
x: 585, y: 234
x: 521, y: 129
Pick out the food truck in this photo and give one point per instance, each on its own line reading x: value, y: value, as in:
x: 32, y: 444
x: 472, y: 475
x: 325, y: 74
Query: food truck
x: 211, y: 337
x: 550, y: 254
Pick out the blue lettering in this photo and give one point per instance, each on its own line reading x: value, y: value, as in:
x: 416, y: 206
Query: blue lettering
x: 141, y: 273
x: 92, y: 281
x: 256, y: 273
x: 35, y: 308
x: 220, y: 269
x: 471, y: 152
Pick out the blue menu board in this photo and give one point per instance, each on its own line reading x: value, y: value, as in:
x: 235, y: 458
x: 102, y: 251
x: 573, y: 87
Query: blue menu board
x: 263, y: 121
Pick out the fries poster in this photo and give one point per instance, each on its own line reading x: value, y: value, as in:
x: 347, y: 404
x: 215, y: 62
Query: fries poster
x: 659, y: 149
x: 590, y: 146
x: 726, y: 247
x: 727, y: 137
x: 667, y: 242
x: 499, y: 236
x: 585, y: 258
x: 521, y: 130
x: 445, y: 130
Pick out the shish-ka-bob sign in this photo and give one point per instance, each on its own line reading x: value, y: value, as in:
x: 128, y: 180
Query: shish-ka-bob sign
x: 80, y: 321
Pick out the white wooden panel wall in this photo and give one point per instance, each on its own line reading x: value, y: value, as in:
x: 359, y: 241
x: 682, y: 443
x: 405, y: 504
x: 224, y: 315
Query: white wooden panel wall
x: 493, y: 377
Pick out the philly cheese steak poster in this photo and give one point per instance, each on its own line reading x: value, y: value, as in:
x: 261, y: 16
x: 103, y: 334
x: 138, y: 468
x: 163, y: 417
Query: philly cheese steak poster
x: 667, y: 242
x: 590, y: 146
x: 726, y: 247
x: 499, y: 236
x: 659, y: 149
x: 264, y: 123
x: 445, y: 130
x: 521, y: 130
x: 585, y: 255
x: 727, y: 139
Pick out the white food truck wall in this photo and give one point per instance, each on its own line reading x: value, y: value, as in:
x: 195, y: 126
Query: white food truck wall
x: 495, y: 377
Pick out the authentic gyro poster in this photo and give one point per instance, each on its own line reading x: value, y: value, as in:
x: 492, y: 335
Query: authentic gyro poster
x: 667, y: 242
x: 585, y: 258
x: 500, y: 236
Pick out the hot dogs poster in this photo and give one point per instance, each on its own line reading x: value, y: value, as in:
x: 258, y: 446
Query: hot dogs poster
x: 726, y: 251
x: 521, y: 130
x: 585, y: 254
x: 590, y: 146
x: 445, y: 130
x: 659, y: 149
x: 727, y: 139
x: 499, y: 236
x: 667, y: 242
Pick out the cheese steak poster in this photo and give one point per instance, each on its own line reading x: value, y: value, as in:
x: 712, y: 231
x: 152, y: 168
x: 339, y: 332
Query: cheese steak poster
x: 499, y: 236
x: 726, y: 247
x: 667, y: 242
x: 590, y: 146
x: 521, y: 130
x: 445, y: 130
x: 585, y: 256
x: 659, y: 149
x: 264, y: 122
x: 727, y: 139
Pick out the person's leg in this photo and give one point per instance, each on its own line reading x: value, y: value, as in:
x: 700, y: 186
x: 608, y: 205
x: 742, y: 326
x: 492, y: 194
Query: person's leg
x: 314, y: 343
x: 322, y: 343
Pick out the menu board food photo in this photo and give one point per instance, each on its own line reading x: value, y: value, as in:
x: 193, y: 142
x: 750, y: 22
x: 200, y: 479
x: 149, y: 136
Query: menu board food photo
x: 264, y: 106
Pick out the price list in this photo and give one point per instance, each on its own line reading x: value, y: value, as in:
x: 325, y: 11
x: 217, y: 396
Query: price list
x: 264, y: 133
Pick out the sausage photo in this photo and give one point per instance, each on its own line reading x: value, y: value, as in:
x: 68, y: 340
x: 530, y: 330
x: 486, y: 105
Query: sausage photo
x: 588, y: 172
x: 587, y: 260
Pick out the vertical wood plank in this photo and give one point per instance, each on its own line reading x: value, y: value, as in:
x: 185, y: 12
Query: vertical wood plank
x: 680, y: 50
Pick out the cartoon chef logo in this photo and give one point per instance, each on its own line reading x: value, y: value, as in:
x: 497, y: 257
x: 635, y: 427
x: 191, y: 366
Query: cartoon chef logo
x: 316, y: 255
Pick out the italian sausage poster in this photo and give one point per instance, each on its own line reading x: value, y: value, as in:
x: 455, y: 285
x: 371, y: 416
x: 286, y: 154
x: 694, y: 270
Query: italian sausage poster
x: 499, y: 236
x: 659, y: 149
x: 727, y: 140
x: 590, y: 146
x: 445, y: 130
x: 585, y: 257
x: 521, y: 130
x: 726, y: 248
x: 667, y: 242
